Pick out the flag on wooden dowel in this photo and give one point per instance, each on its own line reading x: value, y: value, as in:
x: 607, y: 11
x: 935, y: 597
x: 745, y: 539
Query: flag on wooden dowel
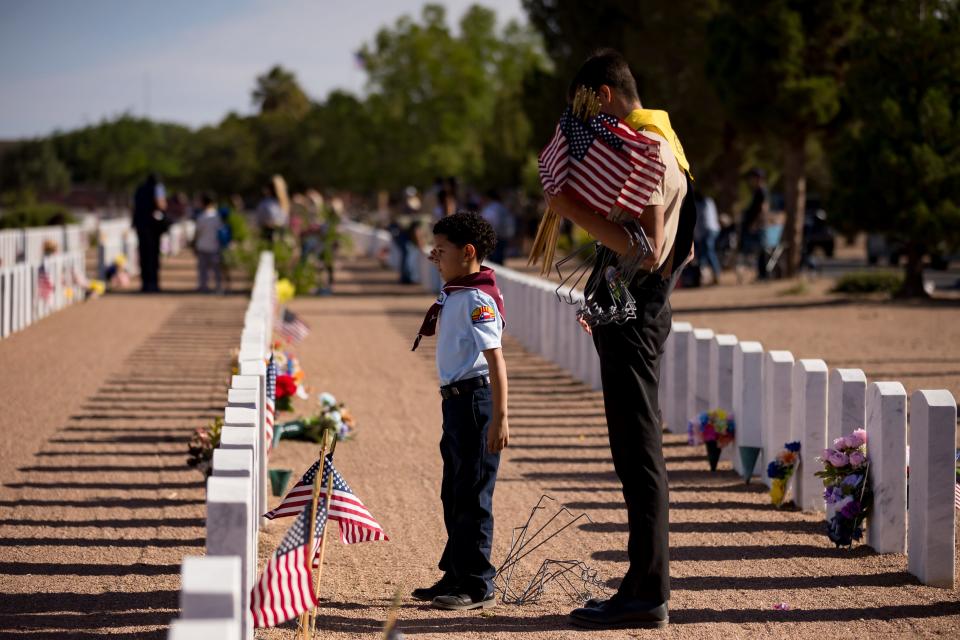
x: 292, y: 328
x: 285, y: 588
x: 270, y: 410
x: 355, y: 521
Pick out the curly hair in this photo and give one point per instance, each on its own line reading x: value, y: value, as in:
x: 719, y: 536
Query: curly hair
x: 468, y: 227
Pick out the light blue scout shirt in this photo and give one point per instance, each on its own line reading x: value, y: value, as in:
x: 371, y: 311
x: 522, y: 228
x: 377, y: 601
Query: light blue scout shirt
x: 469, y: 323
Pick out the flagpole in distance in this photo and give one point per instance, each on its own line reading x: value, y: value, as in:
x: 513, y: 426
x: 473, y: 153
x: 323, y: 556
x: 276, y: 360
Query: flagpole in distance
x: 323, y: 537
x: 305, y: 616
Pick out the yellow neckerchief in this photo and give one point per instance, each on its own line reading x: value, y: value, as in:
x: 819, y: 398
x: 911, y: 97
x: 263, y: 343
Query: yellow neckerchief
x: 659, y: 122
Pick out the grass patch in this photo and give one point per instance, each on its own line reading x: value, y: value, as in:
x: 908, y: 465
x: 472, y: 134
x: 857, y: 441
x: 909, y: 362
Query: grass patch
x: 861, y: 282
x: 797, y: 289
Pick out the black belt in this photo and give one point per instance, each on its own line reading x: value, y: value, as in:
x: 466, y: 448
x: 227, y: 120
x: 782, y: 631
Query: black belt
x: 463, y: 387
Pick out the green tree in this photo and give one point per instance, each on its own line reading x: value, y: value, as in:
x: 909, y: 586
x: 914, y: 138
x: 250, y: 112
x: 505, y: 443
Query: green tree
x: 441, y: 102
x: 224, y: 158
x: 778, y: 67
x: 33, y: 168
x: 897, y: 161
x: 277, y: 91
x: 118, y: 154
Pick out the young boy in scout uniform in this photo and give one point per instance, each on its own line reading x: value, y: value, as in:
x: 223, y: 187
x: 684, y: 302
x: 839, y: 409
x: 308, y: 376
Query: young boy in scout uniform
x: 468, y: 320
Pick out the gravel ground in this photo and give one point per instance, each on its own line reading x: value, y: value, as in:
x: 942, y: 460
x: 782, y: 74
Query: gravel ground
x: 733, y: 555
x: 97, y: 508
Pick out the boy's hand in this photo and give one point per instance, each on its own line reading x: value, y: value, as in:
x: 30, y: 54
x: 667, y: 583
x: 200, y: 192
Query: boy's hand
x: 498, y: 435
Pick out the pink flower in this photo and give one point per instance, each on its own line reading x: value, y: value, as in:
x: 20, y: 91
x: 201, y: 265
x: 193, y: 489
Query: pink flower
x: 857, y: 438
x: 838, y: 459
x: 857, y: 459
x: 826, y: 454
x: 840, y: 443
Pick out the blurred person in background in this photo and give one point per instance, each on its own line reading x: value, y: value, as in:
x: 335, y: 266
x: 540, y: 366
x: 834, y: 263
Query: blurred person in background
x: 496, y: 213
x: 706, y: 233
x: 150, y: 221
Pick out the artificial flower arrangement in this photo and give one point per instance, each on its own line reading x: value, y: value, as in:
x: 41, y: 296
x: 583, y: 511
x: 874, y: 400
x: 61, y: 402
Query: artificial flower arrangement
x: 288, y: 364
x: 715, y: 429
x: 202, y: 443
x: 780, y: 470
x: 846, y: 471
x: 330, y: 414
x: 285, y: 291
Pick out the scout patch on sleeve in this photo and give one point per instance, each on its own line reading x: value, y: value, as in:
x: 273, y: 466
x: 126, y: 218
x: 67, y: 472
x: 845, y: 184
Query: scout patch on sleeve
x: 483, y: 313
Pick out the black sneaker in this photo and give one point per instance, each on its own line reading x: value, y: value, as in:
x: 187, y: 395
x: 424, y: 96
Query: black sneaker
x: 463, y: 602
x: 442, y: 587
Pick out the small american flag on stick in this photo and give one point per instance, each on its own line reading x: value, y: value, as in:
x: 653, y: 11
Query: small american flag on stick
x: 285, y: 589
x: 356, y: 522
x: 293, y: 328
x: 270, y: 410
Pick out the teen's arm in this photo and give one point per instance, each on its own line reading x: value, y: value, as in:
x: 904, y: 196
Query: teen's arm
x: 499, y: 433
x: 610, y: 234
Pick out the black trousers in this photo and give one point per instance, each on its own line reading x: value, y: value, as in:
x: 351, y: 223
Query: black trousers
x: 630, y: 374
x: 469, y: 476
x: 148, y: 242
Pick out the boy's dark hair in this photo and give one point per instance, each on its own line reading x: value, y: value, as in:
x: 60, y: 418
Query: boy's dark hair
x: 605, y: 66
x: 206, y: 199
x: 468, y: 227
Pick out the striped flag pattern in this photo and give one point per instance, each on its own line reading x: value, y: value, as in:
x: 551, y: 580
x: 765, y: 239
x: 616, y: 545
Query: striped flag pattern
x: 285, y: 589
x: 270, y: 409
x: 292, y: 327
x: 355, y: 521
x: 604, y: 162
x: 956, y: 495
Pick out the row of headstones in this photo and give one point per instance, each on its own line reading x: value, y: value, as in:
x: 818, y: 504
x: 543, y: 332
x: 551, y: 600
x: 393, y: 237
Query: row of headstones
x: 26, y: 245
x: 775, y: 400
x: 215, y: 589
x: 21, y: 301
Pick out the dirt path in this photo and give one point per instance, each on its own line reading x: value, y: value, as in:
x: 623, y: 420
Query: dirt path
x: 97, y: 507
x: 733, y: 556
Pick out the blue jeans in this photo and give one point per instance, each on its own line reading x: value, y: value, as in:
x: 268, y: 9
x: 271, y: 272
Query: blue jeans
x: 469, y: 476
x: 707, y: 251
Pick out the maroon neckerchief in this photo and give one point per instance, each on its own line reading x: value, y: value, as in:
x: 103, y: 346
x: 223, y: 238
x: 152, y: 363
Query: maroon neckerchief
x: 485, y: 280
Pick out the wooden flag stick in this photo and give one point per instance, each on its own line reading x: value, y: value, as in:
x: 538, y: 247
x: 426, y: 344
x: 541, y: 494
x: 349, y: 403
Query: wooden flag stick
x: 323, y: 541
x: 305, y: 616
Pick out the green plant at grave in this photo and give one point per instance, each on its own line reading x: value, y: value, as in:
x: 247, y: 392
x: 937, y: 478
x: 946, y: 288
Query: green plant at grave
x: 202, y: 443
x: 869, y: 282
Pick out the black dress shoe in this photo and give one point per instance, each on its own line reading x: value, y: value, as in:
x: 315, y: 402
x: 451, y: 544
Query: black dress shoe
x: 618, y: 613
x: 463, y: 602
x: 442, y: 587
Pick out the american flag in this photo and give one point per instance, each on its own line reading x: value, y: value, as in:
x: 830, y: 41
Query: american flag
x: 356, y: 523
x: 271, y: 405
x: 603, y: 161
x: 44, y: 284
x: 293, y: 328
x: 285, y: 589
x: 956, y: 495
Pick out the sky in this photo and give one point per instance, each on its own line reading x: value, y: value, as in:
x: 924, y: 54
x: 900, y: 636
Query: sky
x: 69, y: 63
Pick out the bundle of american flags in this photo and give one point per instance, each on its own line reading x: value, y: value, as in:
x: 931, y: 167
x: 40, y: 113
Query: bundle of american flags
x: 356, y: 522
x: 270, y: 409
x: 604, y: 161
x: 292, y: 327
x: 285, y: 589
